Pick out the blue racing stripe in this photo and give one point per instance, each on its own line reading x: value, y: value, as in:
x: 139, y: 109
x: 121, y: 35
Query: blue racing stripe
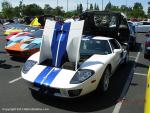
x: 62, y: 53
x: 51, y: 76
x: 41, y: 76
x: 54, y: 45
x: 62, y: 36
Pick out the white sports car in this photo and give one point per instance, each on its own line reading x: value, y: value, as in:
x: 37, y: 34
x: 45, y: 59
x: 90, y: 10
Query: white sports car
x: 71, y: 65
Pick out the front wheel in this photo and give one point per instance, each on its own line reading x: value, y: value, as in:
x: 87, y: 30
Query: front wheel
x: 105, y: 80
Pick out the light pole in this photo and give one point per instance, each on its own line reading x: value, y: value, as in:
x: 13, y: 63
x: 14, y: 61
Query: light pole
x: 67, y: 5
x: 87, y: 4
x: 102, y: 5
x: 57, y: 3
x: 20, y: 6
x: 126, y: 8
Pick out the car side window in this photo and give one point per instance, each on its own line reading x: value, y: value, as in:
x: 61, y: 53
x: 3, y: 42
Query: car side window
x: 124, y: 23
x: 146, y: 23
x: 114, y: 44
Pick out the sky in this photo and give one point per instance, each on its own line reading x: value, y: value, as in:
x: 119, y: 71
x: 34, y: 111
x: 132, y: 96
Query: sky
x: 73, y: 3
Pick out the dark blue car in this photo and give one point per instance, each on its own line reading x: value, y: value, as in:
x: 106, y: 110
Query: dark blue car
x: 147, y: 49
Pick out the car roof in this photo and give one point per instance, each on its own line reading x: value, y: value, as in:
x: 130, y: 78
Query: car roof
x: 96, y: 37
x: 102, y: 38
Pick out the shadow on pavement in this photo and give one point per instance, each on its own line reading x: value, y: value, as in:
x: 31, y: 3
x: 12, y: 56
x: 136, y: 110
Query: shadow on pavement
x: 94, y: 101
x: 138, y: 48
x: 142, y: 65
x: 18, y: 59
x: 8, y: 66
x: 3, y: 52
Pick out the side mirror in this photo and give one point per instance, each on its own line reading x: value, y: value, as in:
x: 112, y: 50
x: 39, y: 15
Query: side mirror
x: 116, y: 50
x: 123, y: 27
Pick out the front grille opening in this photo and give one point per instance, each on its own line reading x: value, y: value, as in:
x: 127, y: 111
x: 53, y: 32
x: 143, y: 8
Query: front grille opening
x: 47, y: 62
x: 65, y: 65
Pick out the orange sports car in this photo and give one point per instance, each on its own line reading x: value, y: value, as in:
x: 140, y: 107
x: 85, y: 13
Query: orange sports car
x: 24, y: 48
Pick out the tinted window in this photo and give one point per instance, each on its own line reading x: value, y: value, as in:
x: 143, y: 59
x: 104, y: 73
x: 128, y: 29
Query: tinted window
x: 90, y: 47
x: 146, y: 23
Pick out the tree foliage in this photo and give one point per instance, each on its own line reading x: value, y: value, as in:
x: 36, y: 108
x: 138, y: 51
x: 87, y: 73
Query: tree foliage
x: 148, y: 12
x: 34, y: 8
x: 91, y: 7
x: 138, y: 11
x: 132, y: 12
x: 47, y: 9
x: 79, y: 8
x: 7, y: 9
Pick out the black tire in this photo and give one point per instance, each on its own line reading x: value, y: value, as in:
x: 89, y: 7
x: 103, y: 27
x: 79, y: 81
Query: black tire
x: 146, y: 56
x: 105, y: 80
x: 126, y: 59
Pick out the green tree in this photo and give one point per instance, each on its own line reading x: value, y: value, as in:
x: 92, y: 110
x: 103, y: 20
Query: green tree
x: 79, y: 8
x: 91, y: 6
x: 97, y: 7
x: 47, y: 9
x: 148, y: 12
x: 58, y: 11
x: 7, y: 9
x: 71, y: 14
x: 32, y: 10
x: 108, y: 6
x: 16, y: 12
x: 138, y: 11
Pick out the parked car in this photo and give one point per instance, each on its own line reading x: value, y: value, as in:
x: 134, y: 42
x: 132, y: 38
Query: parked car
x: 132, y: 39
x: 15, y: 28
x: 147, y: 97
x: 71, y: 65
x: 22, y: 45
x: 27, y: 31
x: 24, y: 49
x: 37, y: 33
x: 147, y: 48
x: 142, y: 27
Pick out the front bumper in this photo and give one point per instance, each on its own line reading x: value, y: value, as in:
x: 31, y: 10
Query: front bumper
x: 24, y: 54
x: 65, y: 93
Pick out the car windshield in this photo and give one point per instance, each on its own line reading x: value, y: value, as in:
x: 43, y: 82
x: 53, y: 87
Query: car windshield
x: 31, y: 29
x: 37, y: 34
x: 92, y: 46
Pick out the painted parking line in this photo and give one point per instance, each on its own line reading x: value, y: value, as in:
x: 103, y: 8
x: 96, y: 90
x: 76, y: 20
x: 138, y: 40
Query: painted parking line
x: 125, y: 89
x: 12, y: 81
x: 141, y: 74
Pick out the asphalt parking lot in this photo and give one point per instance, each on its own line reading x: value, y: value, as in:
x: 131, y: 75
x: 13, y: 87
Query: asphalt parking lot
x: 125, y: 95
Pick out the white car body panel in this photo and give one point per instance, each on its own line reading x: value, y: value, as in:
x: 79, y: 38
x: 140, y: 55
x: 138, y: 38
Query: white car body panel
x: 139, y: 27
